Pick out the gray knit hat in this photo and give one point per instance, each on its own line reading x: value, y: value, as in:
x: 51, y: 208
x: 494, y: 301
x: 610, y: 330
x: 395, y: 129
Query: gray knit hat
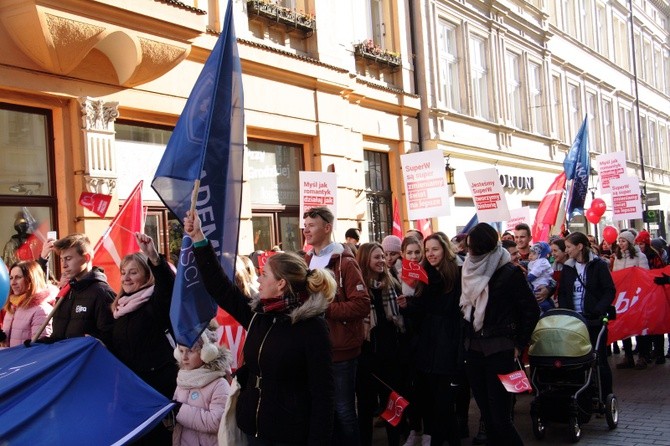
x: 629, y: 236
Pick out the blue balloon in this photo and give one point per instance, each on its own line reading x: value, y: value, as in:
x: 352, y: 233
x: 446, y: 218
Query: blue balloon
x: 4, y: 284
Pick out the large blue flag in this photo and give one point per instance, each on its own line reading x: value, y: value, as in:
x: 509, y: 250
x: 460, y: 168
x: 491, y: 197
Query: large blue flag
x: 73, y: 392
x: 577, y: 165
x: 207, y: 144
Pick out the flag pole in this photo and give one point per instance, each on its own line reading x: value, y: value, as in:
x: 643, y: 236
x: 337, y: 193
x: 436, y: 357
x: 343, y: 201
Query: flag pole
x: 194, y: 195
x: 46, y: 322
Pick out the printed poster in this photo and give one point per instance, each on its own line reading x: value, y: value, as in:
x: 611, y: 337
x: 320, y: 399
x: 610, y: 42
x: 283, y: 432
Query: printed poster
x: 611, y: 166
x: 317, y: 189
x: 488, y: 195
x: 626, y: 199
x: 425, y: 184
x: 517, y: 216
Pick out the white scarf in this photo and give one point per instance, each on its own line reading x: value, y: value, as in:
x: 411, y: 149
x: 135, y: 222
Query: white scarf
x: 477, y: 271
x: 131, y: 302
x: 198, y: 378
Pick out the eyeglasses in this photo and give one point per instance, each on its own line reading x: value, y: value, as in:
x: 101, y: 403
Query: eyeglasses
x: 314, y: 214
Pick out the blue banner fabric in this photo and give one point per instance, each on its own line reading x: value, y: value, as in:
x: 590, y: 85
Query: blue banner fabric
x: 577, y: 166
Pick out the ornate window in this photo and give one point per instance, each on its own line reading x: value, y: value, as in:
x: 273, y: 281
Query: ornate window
x: 378, y: 194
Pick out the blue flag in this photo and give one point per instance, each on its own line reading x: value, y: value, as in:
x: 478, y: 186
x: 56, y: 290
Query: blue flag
x: 577, y: 167
x: 207, y: 144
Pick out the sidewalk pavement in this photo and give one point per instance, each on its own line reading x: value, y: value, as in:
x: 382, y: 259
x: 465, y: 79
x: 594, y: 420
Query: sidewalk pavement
x: 644, y: 413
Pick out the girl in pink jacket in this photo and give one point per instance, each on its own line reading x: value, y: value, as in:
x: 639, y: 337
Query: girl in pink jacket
x: 202, y: 391
x: 28, y: 304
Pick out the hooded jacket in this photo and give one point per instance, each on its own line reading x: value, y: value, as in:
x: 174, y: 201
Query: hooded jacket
x: 26, y: 321
x: 351, y: 305
x: 86, y: 309
x: 139, y: 338
x: 287, y: 380
x: 599, y: 292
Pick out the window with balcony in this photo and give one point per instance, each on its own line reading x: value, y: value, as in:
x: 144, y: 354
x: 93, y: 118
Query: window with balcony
x: 479, y: 73
x: 375, y: 40
x: 286, y: 23
x: 378, y: 194
x: 449, y: 64
x: 514, y: 90
x: 27, y: 189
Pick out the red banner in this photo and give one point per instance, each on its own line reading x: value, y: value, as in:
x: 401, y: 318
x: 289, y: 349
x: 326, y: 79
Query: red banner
x: 425, y: 225
x: 397, y: 225
x: 394, y: 408
x: 232, y: 335
x: 642, y: 307
x: 413, y: 271
x: 119, y: 239
x: 98, y: 203
x: 263, y: 259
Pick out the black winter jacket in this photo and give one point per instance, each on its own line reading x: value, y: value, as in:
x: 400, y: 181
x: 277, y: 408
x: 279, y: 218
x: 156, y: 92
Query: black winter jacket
x: 139, y: 338
x: 600, y: 290
x: 437, y: 318
x: 287, y: 396
x: 512, y: 311
x: 86, y: 309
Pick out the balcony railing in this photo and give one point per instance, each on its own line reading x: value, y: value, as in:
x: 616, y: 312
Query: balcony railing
x: 280, y: 14
x: 368, y: 50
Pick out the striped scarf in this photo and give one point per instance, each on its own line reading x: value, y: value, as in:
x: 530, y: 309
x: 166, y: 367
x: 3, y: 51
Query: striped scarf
x: 391, y: 309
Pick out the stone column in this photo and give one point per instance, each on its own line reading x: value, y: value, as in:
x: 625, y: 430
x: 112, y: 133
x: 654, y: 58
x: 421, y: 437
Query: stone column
x: 98, y: 119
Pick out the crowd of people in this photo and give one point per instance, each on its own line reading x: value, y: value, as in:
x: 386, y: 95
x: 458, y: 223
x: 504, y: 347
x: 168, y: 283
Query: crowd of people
x: 332, y: 331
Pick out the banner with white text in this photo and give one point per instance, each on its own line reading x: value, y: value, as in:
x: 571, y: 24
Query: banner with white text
x: 317, y: 189
x: 425, y: 184
x: 611, y: 166
x: 488, y: 195
x: 626, y: 199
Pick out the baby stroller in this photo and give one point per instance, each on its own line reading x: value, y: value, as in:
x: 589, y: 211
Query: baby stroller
x: 565, y: 375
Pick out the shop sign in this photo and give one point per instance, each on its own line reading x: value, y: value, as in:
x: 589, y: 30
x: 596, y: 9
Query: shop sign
x: 517, y: 182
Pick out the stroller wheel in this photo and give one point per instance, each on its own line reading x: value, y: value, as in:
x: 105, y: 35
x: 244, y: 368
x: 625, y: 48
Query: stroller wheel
x: 538, y: 427
x: 575, y: 430
x: 611, y: 411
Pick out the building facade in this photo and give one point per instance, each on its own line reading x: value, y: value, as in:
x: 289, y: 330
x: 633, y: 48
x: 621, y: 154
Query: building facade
x: 91, y: 90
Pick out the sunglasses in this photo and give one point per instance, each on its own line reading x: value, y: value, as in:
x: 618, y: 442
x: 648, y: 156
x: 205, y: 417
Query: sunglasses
x: 314, y: 214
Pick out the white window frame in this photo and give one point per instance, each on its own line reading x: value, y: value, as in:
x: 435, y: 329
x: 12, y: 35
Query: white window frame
x: 536, y: 97
x: 514, y: 84
x: 449, y: 65
x: 479, y: 73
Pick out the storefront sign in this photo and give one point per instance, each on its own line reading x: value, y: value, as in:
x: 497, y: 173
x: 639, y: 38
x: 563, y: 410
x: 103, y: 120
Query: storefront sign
x: 518, y: 216
x: 317, y: 189
x: 626, y: 202
x: 425, y: 185
x: 517, y: 182
x: 488, y: 195
x: 611, y: 166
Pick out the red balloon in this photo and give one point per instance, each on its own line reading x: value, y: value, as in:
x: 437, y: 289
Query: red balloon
x: 610, y: 234
x: 592, y: 216
x: 599, y: 206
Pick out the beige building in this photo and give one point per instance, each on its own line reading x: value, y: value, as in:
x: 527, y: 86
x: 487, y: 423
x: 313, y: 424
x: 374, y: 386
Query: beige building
x: 91, y: 89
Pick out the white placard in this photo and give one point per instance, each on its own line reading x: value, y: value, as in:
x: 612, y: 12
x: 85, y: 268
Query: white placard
x: 518, y: 216
x: 425, y: 184
x: 626, y: 200
x: 317, y: 189
x: 611, y: 166
x: 488, y: 195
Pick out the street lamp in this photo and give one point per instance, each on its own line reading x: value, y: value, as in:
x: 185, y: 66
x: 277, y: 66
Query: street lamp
x: 450, y: 174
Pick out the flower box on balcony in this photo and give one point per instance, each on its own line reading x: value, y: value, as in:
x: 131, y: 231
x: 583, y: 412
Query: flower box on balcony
x: 368, y: 50
x: 286, y: 16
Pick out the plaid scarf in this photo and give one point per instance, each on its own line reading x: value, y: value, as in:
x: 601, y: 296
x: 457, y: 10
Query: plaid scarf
x: 283, y: 304
x: 391, y: 310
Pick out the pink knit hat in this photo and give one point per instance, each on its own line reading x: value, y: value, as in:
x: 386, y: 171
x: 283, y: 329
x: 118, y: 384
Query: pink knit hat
x: 392, y: 243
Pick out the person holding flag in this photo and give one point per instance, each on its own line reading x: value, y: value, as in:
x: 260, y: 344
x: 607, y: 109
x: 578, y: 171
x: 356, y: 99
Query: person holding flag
x: 287, y: 385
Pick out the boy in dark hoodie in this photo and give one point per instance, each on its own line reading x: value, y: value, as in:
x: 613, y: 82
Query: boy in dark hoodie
x: 86, y: 308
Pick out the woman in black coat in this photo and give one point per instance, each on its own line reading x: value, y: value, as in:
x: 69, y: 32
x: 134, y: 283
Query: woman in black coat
x: 587, y: 287
x: 500, y: 313
x: 142, y: 322
x: 438, y: 354
x: 287, y: 396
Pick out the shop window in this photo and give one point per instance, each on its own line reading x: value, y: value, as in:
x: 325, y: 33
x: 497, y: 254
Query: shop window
x: 27, y: 195
x: 378, y: 194
x: 275, y: 194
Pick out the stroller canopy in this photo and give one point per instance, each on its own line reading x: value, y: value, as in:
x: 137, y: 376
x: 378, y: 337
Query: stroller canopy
x: 560, y: 333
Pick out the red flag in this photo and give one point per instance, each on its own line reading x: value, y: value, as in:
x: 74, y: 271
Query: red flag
x: 263, y: 258
x: 394, y: 408
x: 397, y: 226
x: 119, y: 239
x: 548, y: 209
x: 97, y: 203
x: 425, y: 225
x: 516, y: 382
x: 232, y: 335
x: 32, y: 247
x: 642, y: 307
x: 413, y: 271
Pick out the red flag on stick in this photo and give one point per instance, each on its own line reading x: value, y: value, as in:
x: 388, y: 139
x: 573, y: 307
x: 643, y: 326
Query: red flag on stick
x: 119, y: 239
x: 425, y: 225
x: 548, y: 209
x: 397, y: 226
x: 98, y: 203
x: 413, y: 271
x: 394, y: 408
